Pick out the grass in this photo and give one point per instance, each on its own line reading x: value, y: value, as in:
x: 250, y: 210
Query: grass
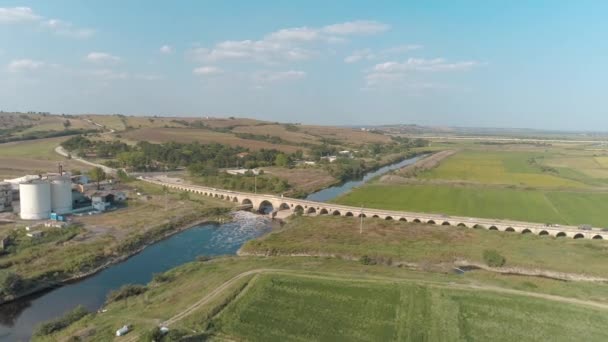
x: 334, y: 282
x: 429, y: 244
x: 288, y: 308
x: 541, y: 206
x: 27, y: 157
x: 497, y: 167
x: 187, y: 135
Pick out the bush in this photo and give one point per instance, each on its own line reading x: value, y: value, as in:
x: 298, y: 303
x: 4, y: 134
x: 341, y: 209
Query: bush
x: 125, y: 291
x: 493, y: 259
x: 367, y: 260
x: 61, y: 322
x: 10, y: 283
x: 161, y: 277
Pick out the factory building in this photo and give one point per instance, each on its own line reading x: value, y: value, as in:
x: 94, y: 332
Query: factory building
x: 6, y: 197
x: 35, y: 198
x: 41, y: 197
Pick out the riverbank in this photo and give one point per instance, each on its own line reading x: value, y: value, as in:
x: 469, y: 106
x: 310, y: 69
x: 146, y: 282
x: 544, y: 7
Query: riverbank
x: 109, y: 261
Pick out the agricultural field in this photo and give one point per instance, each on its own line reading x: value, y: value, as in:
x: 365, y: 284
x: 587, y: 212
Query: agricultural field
x: 292, y: 135
x: 330, y: 299
x: 31, y: 156
x: 290, y: 308
x: 540, y: 206
x: 428, y: 244
x: 562, y: 184
x: 204, y: 136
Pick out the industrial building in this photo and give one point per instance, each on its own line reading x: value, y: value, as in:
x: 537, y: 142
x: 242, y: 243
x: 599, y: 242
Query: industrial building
x: 6, y: 197
x: 41, y: 197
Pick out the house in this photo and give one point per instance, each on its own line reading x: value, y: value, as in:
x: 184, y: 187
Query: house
x: 80, y: 179
x: 243, y: 171
x: 330, y: 159
x: 34, y: 234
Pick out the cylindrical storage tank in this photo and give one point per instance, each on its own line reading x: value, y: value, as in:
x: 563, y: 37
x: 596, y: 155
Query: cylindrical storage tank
x: 61, y: 195
x: 35, y: 200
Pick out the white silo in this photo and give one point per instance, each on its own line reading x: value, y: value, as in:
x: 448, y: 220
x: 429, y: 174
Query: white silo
x: 61, y: 195
x: 35, y: 200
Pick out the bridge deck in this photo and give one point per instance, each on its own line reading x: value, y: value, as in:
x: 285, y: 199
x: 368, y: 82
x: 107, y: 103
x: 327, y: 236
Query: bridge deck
x: 319, y: 208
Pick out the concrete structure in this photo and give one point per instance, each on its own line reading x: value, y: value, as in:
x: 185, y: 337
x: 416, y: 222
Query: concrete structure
x: 35, y: 200
x: 61, y: 195
x: 6, y: 197
x: 278, y: 203
x: 243, y: 171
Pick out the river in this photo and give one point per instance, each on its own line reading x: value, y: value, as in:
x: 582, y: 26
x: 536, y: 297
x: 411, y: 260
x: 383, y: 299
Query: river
x: 17, y: 319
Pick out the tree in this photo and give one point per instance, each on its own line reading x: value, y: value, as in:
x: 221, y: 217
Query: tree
x: 67, y: 124
x: 281, y: 160
x: 493, y: 258
x: 10, y: 283
x: 97, y: 174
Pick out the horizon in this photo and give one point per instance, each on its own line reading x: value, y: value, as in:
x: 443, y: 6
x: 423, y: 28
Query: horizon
x: 466, y: 64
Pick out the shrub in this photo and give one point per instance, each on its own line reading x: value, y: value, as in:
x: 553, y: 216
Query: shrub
x: 10, y: 283
x: 493, y: 259
x: 61, y: 322
x: 125, y: 291
x: 367, y: 260
x: 161, y: 277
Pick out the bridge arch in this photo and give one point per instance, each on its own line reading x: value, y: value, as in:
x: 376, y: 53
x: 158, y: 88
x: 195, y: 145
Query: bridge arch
x: 477, y: 226
x: 311, y: 210
x: 284, y: 206
x: 417, y: 220
x: 348, y: 213
x: 298, y: 209
x: 579, y: 236
x: 265, y: 207
x: 461, y: 225
x: 362, y: 215
x: 445, y: 223
x: 323, y: 212
x: 543, y: 233
x: 375, y: 216
x: 336, y: 212
x: 493, y: 228
x: 430, y: 222
x: 510, y: 229
x: 235, y: 199
x: 526, y: 231
x: 246, y: 201
x: 388, y: 218
x: 560, y: 234
x: 597, y: 237
x: 403, y: 219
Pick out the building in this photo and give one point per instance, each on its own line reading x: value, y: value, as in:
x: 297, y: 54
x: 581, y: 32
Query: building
x: 6, y: 196
x: 34, y: 234
x: 330, y: 159
x: 102, y: 200
x: 243, y: 171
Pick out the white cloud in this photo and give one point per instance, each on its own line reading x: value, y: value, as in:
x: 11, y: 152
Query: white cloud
x: 289, y: 44
x: 295, y: 34
x: 391, y: 72
x: 24, y: 65
x: 359, y: 27
x: 421, y: 64
x: 17, y: 15
x: 101, y: 57
x: 67, y: 29
x: 207, y: 71
x: 278, y: 76
x: 166, y: 49
x: 368, y: 54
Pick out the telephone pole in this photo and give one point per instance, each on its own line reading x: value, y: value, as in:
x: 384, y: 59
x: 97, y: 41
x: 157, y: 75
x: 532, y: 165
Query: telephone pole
x: 361, y: 224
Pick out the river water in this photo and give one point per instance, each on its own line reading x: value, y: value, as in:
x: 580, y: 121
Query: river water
x: 18, y: 319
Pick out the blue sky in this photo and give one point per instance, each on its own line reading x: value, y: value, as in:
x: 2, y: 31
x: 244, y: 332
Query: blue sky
x: 536, y: 64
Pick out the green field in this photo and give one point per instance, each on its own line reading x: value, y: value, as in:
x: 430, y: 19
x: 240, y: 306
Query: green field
x: 498, y: 167
x: 289, y: 308
x: 340, y: 296
x: 563, y: 207
x: 429, y: 244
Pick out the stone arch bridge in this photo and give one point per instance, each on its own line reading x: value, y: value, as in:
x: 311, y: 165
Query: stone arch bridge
x: 312, y: 208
